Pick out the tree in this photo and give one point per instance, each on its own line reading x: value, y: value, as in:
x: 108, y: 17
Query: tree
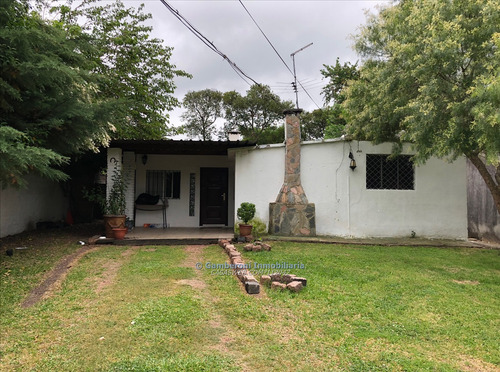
x: 135, y: 67
x: 431, y: 77
x: 49, y: 106
x: 256, y: 113
x: 339, y: 77
x: 203, y: 108
x: 329, y: 121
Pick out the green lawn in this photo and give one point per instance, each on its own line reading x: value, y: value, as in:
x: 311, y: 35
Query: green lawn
x: 149, y: 309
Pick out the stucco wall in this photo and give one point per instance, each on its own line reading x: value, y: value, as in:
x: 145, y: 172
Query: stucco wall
x: 436, y: 208
x: 20, y: 210
x: 178, y: 209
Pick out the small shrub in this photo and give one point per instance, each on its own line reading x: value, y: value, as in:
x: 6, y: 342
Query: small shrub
x: 259, y: 228
x: 246, y: 212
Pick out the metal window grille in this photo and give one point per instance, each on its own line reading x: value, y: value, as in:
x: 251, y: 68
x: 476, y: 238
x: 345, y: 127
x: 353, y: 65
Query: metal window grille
x: 383, y: 173
x: 167, y: 184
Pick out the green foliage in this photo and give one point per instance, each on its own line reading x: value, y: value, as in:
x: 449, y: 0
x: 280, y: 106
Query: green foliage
x: 135, y: 68
x: 65, y: 87
x: 339, y: 77
x: 203, y: 108
x: 431, y: 77
x: 115, y: 203
x: 327, y: 122
x: 18, y: 158
x: 258, y: 111
x: 48, y: 98
x: 273, y: 135
x: 246, y: 211
x: 259, y: 228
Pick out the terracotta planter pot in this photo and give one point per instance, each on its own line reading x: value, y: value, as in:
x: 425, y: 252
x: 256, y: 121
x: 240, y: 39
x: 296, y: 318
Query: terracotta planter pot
x: 119, y: 233
x: 113, y: 222
x: 245, y: 230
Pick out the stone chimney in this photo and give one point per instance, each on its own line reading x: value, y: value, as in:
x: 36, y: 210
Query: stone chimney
x: 292, y: 214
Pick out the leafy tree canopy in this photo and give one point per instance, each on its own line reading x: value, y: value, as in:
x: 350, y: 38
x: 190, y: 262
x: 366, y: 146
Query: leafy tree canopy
x: 135, y: 68
x: 431, y: 77
x: 256, y: 113
x: 338, y: 79
x: 49, y: 106
x: 329, y: 121
x: 203, y: 108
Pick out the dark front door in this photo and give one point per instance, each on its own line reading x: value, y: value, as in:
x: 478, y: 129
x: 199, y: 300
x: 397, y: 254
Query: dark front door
x: 213, y: 196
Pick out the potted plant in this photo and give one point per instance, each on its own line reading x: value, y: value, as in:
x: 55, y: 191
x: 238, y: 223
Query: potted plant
x: 114, y: 211
x: 246, y: 212
x: 113, y: 207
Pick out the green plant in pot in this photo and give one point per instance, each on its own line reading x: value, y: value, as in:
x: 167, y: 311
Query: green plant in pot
x: 114, y: 211
x: 246, y: 212
x: 113, y: 207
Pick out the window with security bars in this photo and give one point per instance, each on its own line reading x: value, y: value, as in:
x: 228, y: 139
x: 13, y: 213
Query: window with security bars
x: 383, y: 173
x: 165, y: 183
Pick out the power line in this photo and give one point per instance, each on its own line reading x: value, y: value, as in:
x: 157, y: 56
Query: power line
x: 272, y: 46
x: 207, y: 42
x: 269, y: 41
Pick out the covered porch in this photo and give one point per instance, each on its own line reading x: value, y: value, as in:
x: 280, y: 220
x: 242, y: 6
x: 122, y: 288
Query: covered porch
x: 193, y: 182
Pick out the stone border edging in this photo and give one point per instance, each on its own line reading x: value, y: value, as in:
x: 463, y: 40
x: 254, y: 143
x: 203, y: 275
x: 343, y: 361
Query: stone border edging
x: 251, y: 284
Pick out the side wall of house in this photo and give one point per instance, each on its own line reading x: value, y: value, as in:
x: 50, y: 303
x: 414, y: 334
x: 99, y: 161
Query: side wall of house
x: 436, y: 208
x: 178, y: 209
x: 484, y: 219
x: 20, y: 210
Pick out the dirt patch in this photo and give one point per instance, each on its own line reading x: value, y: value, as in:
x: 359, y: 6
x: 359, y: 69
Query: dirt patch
x: 54, y: 278
x: 52, y: 237
x: 466, y: 282
x: 468, y: 363
x: 193, y: 283
x: 111, y: 269
x: 217, y: 322
x: 194, y: 256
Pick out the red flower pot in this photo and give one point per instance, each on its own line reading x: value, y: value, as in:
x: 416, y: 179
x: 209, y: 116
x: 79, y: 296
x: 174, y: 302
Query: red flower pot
x: 119, y: 233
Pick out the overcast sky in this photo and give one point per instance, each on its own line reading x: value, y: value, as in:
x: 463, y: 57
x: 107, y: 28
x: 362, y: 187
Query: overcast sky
x: 289, y: 25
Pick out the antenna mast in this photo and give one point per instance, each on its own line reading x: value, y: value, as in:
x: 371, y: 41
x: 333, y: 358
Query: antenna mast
x: 295, y: 75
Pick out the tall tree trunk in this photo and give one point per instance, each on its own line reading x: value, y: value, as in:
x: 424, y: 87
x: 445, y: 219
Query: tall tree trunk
x: 492, y: 182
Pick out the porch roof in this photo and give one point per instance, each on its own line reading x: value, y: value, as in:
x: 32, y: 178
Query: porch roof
x: 179, y: 147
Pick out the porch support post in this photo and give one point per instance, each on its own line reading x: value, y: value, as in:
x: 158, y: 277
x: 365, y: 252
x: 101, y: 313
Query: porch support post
x: 128, y: 169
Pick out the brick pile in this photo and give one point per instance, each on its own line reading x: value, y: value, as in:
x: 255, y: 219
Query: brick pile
x: 257, y: 247
x: 284, y: 281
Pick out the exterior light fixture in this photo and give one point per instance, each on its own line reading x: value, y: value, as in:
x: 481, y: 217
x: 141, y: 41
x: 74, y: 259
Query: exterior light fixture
x: 144, y: 159
x: 352, y: 165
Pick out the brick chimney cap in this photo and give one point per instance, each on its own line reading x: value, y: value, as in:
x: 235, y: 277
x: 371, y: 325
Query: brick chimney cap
x: 293, y: 112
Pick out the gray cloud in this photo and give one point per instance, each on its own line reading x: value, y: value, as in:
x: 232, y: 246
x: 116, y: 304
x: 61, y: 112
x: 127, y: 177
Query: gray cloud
x: 289, y: 25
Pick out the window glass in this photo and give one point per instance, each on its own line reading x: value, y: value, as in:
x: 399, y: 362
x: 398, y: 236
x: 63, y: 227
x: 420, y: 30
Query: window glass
x: 165, y: 183
x: 383, y: 173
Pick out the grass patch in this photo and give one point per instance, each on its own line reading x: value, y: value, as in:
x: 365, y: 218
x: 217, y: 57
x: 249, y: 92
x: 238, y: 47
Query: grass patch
x: 371, y: 308
x: 364, y: 308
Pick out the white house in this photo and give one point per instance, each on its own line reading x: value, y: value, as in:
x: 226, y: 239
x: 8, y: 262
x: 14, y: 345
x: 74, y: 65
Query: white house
x: 432, y: 202
x: 312, y: 183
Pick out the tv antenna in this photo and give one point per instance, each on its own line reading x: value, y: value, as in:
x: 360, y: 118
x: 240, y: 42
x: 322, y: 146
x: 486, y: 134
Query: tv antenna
x: 295, y: 75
